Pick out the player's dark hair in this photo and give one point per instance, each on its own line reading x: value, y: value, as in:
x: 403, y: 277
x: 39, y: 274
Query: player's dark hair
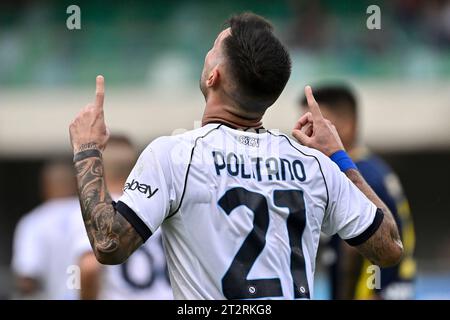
x: 260, y: 65
x: 338, y: 98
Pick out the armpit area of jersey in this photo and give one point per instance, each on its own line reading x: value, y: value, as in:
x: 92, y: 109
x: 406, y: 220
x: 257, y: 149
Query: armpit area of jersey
x: 140, y: 227
x: 363, y: 237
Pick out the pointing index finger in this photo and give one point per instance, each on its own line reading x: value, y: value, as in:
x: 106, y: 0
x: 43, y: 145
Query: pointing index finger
x: 304, y: 120
x: 312, y: 104
x: 99, y: 91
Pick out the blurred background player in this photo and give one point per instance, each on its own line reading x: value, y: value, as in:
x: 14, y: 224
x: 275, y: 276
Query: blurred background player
x: 348, y: 272
x: 38, y: 262
x: 144, y: 274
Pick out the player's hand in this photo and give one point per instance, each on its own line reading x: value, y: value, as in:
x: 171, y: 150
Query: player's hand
x: 314, y: 131
x: 88, y: 130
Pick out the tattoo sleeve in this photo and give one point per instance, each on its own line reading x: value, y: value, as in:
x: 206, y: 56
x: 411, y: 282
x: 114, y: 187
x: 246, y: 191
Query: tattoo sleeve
x: 112, y: 237
x: 384, y: 247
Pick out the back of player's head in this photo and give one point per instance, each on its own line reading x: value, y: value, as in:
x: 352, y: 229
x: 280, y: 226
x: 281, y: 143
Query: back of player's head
x: 337, y: 98
x: 259, y: 64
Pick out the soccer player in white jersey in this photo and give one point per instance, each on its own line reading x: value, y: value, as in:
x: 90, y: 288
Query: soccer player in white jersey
x: 240, y: 207
x: 40, y: 238
x: 143, y: 275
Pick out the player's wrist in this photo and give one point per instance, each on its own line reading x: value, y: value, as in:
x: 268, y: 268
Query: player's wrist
x: 86, y: 150
x: 330, y: 150
x: 343, y: 160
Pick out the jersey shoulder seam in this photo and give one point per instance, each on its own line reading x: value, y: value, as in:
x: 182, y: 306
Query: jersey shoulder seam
x: 188, y: 169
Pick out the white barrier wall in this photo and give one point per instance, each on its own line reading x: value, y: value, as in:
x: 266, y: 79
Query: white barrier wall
x: 395, y: 116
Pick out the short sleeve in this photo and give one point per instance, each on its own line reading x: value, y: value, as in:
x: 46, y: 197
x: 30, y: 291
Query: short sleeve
x: 350, y: 213
x: 145, y: 202
x: 28, y: 258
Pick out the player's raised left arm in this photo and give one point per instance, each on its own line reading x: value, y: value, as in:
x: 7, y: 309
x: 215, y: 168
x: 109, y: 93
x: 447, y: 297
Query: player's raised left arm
x: 112, y: 237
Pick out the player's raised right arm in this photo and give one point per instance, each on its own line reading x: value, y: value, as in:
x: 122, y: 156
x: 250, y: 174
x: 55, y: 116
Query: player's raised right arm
x: 112, y: 237
x: 384, y: 247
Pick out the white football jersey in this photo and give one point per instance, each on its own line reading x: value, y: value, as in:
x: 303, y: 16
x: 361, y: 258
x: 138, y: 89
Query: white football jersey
x: 142, y: 277
x: 41, y: 244
x: 241, y: 212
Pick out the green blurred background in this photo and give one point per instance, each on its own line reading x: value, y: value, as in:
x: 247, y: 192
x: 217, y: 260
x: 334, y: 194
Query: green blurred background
x: 132, y: 38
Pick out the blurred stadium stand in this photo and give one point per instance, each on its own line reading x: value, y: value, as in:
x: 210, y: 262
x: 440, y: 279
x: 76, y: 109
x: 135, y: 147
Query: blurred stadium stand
x: 151, y: 53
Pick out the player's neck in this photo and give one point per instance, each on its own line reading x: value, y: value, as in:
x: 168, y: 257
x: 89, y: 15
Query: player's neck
x: 222, y: 113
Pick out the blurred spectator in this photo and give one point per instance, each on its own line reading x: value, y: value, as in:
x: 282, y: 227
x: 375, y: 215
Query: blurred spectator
x: 436, y: 20
x: 312, y: 26
x: 40, y: 240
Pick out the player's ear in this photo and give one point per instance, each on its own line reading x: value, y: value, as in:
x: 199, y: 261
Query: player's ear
x: 213, y: 77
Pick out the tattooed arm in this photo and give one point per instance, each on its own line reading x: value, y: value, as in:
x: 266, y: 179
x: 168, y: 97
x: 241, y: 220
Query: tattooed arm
x: 112, y: 237
x: 384, y: 247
